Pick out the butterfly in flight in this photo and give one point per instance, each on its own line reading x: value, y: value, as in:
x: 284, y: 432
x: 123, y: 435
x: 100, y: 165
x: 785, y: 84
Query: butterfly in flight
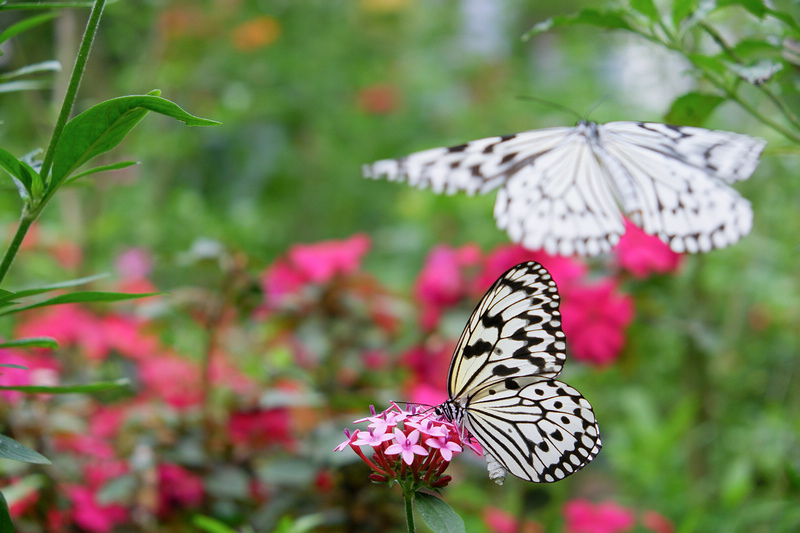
x: 565, y: 189
x: 501, y: 388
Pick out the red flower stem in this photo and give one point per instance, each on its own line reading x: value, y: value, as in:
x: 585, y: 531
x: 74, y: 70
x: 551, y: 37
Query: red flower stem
x: 372, y: 465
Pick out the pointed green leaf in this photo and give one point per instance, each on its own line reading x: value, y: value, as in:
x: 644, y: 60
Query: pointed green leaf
x: 437, y: 515
x: 102, y: 168
x: 692, y: 109
x: 11, y: 449
x: 24, y: 25
x: 9, y: 365
x: 44, y: 66
x: 81, y: 297
x: 22, y: 173
x: 24, y: 293
x: 646, y: 8
x: 211, y: 525
x: 31, y: 342
x: 87, y: 388
x: 615, y: 20
x: 24, y: 85
x: 682, y: 9
x: 102, y: 127
x: 5, y: 518
x: 44, y: 5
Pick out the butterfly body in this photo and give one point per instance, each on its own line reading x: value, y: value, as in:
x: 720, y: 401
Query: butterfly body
x: 565, y: 189
x: 501, y: 387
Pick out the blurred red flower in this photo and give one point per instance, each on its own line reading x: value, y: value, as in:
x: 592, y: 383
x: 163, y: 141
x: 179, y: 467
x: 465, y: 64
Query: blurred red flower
x: 642, y: 254
x: 429, y: 365
x: 256, y: 33
x: 565, y: 270
x: 91, y: 515
x: 42, y: 369
x: 172, y: 379
x: 378, y: 99
x: 499, y: 521
x: 178, y: 488
x: 595, y: 318
x: 259, y: 429
x: 442, y: 282
x: 69, y: 325
x: 583, y: 516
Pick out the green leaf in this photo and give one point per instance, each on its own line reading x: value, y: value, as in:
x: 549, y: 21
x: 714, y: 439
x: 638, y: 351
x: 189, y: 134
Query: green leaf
x: 81, y: 297
x: 102, y: 168
x: 709, y: 64
x: 9, y: 365
x: 646, y: 8
x: 44, y: 66
x: 31, y: 342
x: 212, y: 525
x: 24, y: 293
x: 5, y: 518
x: 11, y: 449
x: 103, y: 126
x: 22, y: 173
x: 614, y: 20
x: 682, y: 9
x: 88, y: 388
x: 692, y: 109
x: 24, y: 85
x: 754, y: 7
x: 24, y: 25
x: 44, y: 5
x: 438, y: 516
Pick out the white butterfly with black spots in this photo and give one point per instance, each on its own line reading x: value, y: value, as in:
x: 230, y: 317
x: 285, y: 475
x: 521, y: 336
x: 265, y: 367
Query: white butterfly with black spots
x: 565, y: 189
x: 501, y: 388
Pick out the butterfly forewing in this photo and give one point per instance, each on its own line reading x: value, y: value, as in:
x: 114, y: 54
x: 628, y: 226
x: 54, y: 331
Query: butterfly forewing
x: 543, y: 431
x: 515, y: 331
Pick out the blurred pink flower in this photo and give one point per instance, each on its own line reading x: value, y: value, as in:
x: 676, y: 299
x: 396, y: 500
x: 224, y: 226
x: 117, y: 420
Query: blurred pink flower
x: 127, y: 336
x: 565, y: 270
x: 429, y: 364
x: 442, y: 282
x: 134, y: 264
x: 595, y: 318
x: 107, y: 420
x: 69, y: 325
x: 657, y: 523
x: 426, y: 394
x: 178, y: 488
x: 99, y: 472
x: 642, y: 254
x: 583, y: 516
x: 259, y: 429
x: 312, y: 263
x: 42, y: 369
x: 91, y: 515
x: 173, y: 379
x: 499, y: 521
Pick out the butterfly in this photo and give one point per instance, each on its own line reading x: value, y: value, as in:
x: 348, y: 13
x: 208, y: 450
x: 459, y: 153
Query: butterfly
x: 501, y: 388
x: 565, y: 189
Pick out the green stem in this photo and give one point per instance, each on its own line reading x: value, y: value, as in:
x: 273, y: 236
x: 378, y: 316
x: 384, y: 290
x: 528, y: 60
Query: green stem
x: 74, y: 84
x: 34, y: 206
x: 408, y: 497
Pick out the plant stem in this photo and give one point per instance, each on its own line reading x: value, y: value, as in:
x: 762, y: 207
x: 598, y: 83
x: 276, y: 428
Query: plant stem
x: 74, y: 84
x: 34, y: 206
x: 408, y: 497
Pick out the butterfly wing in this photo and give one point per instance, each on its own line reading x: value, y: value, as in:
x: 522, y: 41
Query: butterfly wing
x: 514, y: 331
x: 673, y: 181
x: 542, y: 431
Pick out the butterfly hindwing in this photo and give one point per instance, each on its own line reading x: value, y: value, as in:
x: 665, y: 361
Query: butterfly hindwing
x: 514, y: 331
x: 542, y: 431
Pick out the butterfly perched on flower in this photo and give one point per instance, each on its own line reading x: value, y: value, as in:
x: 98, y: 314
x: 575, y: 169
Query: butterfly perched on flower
x: 565, y: 189
x: 501, y: 388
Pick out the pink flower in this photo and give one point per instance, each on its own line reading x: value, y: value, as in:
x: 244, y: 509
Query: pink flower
x: 642, y: 254
x: 442, y: 282
x: 429, y: 365
x: 445, y: 446
x: 406, y: 446
x: 173, y: 379
x: 178, y: 488
x: 595, y: 318
x: 69, y: 325
x: 500, y: 521
x: 259, y: 429
x: 315, y: 263
x: 42, y: 369
x: 565, y: 270
x: 134, y: 264
x: 583, y: 516
x: 91, y: 515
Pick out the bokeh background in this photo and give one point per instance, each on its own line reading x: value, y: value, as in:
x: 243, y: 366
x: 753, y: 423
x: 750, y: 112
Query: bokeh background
x: 297, y: 294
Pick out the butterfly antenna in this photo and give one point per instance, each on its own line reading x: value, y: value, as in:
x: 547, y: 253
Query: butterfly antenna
x: 554, y: 105
x: 594, y: 106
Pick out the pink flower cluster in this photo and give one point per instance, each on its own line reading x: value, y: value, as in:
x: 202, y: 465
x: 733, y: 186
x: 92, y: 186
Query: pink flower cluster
x: 406, y: 443
x: 583, y: 516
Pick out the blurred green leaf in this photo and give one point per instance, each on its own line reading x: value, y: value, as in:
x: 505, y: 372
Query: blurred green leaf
x: 70, y: 389
x: 102, y: 168
x: 646, y: 8
x: 5, y: 518
x: 212, y: 525
x: 44, y: 66
x: 8, y: 365
x: 11, y: 449
x: 24, y: 85
x: 437, y: 515
x: 103, y: 126
x: 604, y: 19
x: 692, y: 109
x: 44, y: 5
x: 22, y: 173
x: 81, y: 297
x: 709, y: 64
x: 24, y: 293
x: 24, y: 25
x: 31, y: 342
x: 682, y: 9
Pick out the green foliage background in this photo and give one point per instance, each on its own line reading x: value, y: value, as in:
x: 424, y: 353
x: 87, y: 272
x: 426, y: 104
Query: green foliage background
x: 700, y: 416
